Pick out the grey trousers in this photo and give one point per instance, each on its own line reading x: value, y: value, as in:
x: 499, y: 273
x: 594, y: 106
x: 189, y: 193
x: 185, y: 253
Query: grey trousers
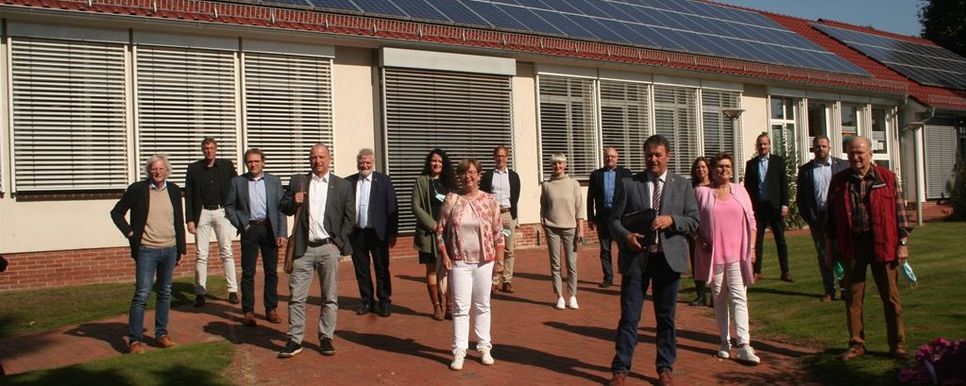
x: 558, y: 238
x: 325, y: 261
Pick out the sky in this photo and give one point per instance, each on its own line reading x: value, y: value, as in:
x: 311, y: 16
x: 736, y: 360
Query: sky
x: 899, y: 16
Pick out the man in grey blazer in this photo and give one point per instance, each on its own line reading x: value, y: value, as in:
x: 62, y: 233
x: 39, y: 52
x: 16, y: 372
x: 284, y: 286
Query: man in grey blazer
x: 253, y: 207
x: 326, y: 215
x: 813, y: 181
x: 655, y: 257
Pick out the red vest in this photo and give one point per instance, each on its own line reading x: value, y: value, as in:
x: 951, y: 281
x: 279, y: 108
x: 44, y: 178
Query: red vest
x: 882, y: 209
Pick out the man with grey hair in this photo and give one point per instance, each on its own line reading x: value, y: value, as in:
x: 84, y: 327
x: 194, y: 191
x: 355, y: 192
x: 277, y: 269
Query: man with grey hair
x: 157, y: 245
x: 505, y: 184
x: 325, y: 212
x: 868, y: 229
x: 376, y: 227
x: 600, y: 199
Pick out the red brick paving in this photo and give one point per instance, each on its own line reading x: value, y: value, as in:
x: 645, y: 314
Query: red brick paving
x: 534, y: 343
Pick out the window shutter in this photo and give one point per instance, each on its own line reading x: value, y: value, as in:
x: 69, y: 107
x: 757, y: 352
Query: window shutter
x: 288, y: 108
x: 183, y: 96
x: 69, y: 122
x: 719, y: 131
x: 940, y: 159
x: 675, y: 117
x: 624, y: 120
x: 466, y: 115
x: 567, y: 124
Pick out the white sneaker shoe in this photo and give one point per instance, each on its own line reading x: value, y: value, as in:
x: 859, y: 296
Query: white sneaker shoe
x: 458, y: 357
x: 560, y: 303
x: 746, y: 355
x: 485, y: 357
x: 725, y: 351
x: 572, y: 303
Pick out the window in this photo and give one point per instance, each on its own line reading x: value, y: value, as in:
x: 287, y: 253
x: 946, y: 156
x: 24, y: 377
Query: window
x: 567, y: 124
x: 941, y: 140
x: 69, y: 121
x: 880, y: 126
x: 783, y: 118
x: 850, y: 123
x: 675, y: 117
x: 288, y: 108
x: 719, y: 130
x: 625, y: 121
x: 466, y: 115
x: 818, y: 119
x: 184, y: 95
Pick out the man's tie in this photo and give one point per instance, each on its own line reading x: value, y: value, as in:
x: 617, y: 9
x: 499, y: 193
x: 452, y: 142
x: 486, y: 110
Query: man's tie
x: 656, y: 205
x: 364, y: 204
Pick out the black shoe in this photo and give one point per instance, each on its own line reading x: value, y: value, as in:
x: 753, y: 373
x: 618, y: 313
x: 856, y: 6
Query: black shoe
x: 605, y: 284
x: 385, y: 310
x: 325, y: 346
x: 363, y: 309
x: 698, y: 301
x: 787, y: 277
x: 233, y: 297
x: 199, y: 300
x: 291, y: 349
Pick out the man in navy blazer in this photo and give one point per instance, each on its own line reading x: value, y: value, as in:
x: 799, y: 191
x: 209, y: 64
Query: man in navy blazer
x: 253, y: 208
x: 600, y: 199
x: 377, y: 224
x: 813, y: 181
x: 767, y: 185
x: 655, y: 258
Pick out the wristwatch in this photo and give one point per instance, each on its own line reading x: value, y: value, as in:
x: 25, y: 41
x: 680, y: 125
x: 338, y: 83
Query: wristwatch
x: 903, y: 242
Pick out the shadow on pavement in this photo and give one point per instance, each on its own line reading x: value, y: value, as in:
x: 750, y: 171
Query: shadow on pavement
x: 114, y: 333
x: 394, y: 344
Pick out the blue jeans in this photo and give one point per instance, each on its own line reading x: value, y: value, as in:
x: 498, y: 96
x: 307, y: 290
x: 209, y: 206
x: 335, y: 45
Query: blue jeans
x: 664, y: 288
x: 151, y: 262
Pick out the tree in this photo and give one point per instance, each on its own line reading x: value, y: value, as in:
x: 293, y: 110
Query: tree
x: 957, y: 192
x: 944, y: 23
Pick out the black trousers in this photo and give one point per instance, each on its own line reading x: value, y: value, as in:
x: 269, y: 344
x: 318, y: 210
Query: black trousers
x: 366, y: 244
x: 767, y: 215
x: 603, y: 235
x: 258, y: 237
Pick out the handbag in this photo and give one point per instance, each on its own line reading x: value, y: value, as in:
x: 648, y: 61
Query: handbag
x: 290, y: 244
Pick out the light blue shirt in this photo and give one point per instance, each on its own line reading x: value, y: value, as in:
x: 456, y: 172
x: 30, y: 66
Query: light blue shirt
x: 762, y: 180
x: 822, y: 174
x: 256, y: 198
x: 609, y: 177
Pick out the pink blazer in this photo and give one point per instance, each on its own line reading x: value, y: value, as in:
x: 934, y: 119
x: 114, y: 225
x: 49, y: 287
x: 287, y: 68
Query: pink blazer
x: 704, y: 195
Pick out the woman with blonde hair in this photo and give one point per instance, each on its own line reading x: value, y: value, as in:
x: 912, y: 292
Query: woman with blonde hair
x: 562, y: 215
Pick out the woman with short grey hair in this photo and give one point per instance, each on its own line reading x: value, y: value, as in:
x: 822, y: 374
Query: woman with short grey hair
x: 562, y: 215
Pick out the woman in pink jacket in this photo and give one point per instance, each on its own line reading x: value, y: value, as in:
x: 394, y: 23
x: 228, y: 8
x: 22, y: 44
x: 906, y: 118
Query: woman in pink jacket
x: 725, y: 253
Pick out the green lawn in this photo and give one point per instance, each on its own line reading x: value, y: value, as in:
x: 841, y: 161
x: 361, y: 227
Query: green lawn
x: 29, y: 311
x: 197, y: 364
x: 937, y: 307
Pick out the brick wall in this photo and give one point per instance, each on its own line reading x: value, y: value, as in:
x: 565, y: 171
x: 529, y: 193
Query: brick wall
x: 114, y: 265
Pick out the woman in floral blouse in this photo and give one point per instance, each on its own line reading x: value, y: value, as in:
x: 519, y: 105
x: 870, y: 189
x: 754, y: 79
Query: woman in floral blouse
x: 470, y: 238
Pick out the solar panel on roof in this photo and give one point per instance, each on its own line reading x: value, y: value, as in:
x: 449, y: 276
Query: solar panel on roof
x: 925, y: 64
x: 675, y: 25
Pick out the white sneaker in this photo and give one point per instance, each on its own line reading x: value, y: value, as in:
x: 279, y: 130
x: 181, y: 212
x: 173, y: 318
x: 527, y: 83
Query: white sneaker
x: 572, y: 303
x: 560, y: 303
x: 725, y: 351
x: 485, y: 357
x: 746, y: 355
x: 458, y: 357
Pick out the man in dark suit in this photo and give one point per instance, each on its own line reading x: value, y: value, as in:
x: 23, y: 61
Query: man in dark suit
x: 600, y: 199
x: 205, y: 195
x: 813, y: 181
x: 655, y: 256
x: 253, y: 208
x: 375, y: 232
x: 326, y: 213
x: 767, y: 185
x: 505, y: 184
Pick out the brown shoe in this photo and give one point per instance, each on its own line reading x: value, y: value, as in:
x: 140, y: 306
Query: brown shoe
x: 853, y: 352
x: 665, y: 378
x: 787, y: 277
x: 166, y: 342
x: 496, y: 287
x: 759, y: 276
x: 508, y: 288
x: 899, y: 353
x: 617, y: 379
x: 826, y: 298
x: 437, y: 312
x: 272, y: 317
x: 249, y: 319
x: 136, y: 348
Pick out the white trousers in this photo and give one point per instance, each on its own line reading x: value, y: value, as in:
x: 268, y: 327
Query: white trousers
x: 208, y: 221
x: 730, y: 300
x: 471, y: 285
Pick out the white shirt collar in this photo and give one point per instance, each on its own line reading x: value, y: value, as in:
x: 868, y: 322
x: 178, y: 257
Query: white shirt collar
x: 324, y: 178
